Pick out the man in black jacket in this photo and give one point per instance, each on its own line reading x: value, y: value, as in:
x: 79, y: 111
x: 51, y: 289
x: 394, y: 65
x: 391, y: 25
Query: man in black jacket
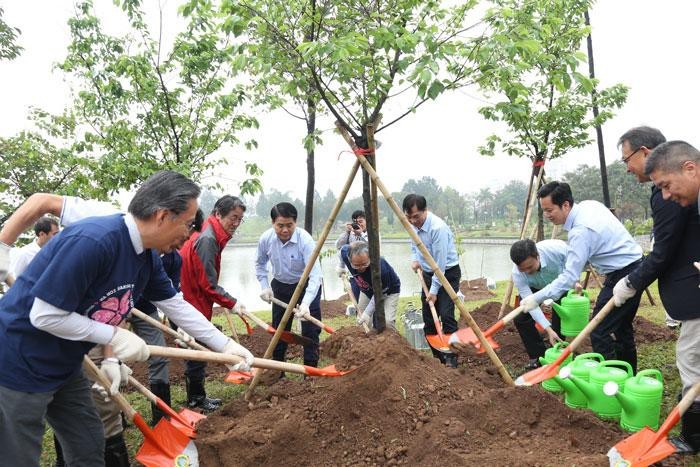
x: 676, y: 246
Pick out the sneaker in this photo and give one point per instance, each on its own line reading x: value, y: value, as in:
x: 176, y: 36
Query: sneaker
x: 533, y: 363
x: 204, y: 403
x: 682, y: 445
x: 451, y: 361
x: 672, y: 323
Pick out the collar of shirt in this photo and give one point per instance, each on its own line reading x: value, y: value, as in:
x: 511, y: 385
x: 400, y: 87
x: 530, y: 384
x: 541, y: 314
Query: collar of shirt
x: 426, y: 225
x: 293, y: 239
x: 134, y: 233
x: 571, y: 218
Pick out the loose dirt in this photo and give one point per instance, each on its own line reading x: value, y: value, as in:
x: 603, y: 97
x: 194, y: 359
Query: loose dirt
x: 475, y: 289
x: 401, y: 406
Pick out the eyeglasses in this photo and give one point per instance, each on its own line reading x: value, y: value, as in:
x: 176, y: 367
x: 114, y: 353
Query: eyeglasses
x: 625, y: 160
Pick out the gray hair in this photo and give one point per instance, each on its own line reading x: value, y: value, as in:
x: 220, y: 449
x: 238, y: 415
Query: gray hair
x: 163, y: 190
x: 358, y: 248
x: 642, y: 136
x: 226, y: 204
x: 670, y: 157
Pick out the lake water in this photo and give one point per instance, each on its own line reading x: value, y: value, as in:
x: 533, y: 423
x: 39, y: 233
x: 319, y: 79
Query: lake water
x: 238, y: 269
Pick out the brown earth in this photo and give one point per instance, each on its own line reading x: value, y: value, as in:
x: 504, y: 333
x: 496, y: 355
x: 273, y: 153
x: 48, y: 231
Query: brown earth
x: 475, y: 289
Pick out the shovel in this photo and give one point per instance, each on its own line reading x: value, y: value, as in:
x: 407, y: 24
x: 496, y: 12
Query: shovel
x: 308, y: 318
x: 549, y: 371
x: 439, y: 342
x: 286, y: 336
x: 236, y: 377
x: 227, y: 359
x: 185, y: 420
x: 163, y: 445
x: 467, y: 336
x: 348, y: 290
x: 227, y: 314
x: 646, y: 446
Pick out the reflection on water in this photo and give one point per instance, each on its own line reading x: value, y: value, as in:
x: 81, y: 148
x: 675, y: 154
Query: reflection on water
x: 238, y: 269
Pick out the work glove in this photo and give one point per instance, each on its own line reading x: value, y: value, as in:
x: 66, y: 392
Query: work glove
x: 128, y: 347
x: 4, y: 261
x: 185, y: 340
x: 117, y: 372
x: 529, y: 303
x: 239, y: 308
x: 623, y: 291
x: 340, y: 270
x: 302, y: 311
x: 364, y: 318
x: 233, y: 348
x: 267, y: 295
x: 102, y: 392
x: 460, y: 295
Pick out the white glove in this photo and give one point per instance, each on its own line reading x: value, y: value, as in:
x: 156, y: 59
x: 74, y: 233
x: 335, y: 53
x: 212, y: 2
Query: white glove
x: 239, y: 308
x: 233, y: 348
x: 116, y: 372
x: 104, y: 394
x: 128, y: 347
x: 340, y: 270
x: 267, y: 295
x: 529, y: 303
x: 623, y: 291
x: 364, y: 318
x: 4, y: 261
x: 460, y: 295
x: 185, y: 340
x: 302, y: 311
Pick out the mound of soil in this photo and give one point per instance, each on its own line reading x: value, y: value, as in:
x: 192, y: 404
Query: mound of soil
x: 401, y: 406
x: 475, y: 289
x: 333, y: 308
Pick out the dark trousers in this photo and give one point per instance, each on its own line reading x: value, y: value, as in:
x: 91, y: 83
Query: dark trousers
x: 444, y: 306
x: 532, y: 339
x: 284, y: 292
x: 355, y: 289
x: 614, y: 336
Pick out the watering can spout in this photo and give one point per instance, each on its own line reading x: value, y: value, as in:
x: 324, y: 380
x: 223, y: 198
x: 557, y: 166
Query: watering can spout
x: 566, y: 384
x: 561, y: 311
x: 612, y: 389
x: 584, y: 386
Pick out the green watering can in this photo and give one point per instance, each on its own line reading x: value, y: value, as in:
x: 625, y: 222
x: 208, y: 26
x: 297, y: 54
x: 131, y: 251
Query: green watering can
x: 550, y: 355
x: 610, y: 370
x: 580, y: 368
x: 574, y: 312
x: 640, y: 401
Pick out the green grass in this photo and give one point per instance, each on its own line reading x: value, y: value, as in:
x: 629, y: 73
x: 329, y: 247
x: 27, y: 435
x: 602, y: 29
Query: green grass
x: 659, y: 355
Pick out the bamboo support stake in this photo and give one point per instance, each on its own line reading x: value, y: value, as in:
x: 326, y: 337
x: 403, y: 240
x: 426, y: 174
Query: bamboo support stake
x: 437, y: 271
x: 305, y: 275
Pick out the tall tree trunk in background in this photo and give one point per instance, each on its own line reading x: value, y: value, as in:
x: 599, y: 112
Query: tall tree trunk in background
x: 598, y: 129
x: 310, y: 168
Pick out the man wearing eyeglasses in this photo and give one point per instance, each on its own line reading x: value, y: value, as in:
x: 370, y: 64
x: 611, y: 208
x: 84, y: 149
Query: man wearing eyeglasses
x: 674, y: 167
x: 199, y: 280
x: 438, y: 238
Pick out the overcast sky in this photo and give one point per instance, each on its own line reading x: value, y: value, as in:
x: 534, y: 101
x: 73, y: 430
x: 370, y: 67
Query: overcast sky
x: 644, y: 44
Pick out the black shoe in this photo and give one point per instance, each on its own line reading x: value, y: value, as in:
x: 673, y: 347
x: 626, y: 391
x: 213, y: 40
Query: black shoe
x: 533, y: 363
x: 682, y: 445
x: 451, y: 361
x: 203, y: 403
x: 197, y: 397
x: 116, y: 454
x: 162, y: 390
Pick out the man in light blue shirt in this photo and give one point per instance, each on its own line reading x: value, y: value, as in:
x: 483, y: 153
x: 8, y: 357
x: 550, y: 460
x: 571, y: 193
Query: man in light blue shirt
x: 288, y: 249
x: 535, y: 266
x: 598, y: 237
x: 439, y: 240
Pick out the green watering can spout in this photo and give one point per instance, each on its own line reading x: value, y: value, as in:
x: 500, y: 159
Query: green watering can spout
x: 611, y: 388
x: 585, y: 387
x: 559, y: 309
x: 566, y: 384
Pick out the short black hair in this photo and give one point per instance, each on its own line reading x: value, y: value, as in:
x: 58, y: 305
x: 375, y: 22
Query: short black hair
x: 44, y: 225
x: 198, y: 220
x: 414, y: 200
x: 645, y: 136
x: 283, y: 210
x: 559, y: 191
x: 226, y: 204
x: 522, y: 250
x: 357, y: 214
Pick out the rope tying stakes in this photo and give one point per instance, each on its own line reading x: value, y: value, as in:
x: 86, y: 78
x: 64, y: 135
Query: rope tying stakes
x: 538, y: 163
x: 357, y: 151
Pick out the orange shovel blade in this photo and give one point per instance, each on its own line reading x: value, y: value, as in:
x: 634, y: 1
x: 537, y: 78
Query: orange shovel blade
x: 639, y: 450
x: 439, y: 344
x: 238, y: 377
x: 186, y: 421
x: 329, y: 370
x: 490, y: 340
x: 537, y: 375
x: 466, y: 336
x: 165, y: 445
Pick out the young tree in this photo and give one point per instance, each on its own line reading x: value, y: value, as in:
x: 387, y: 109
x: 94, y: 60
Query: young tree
x: 531, y: 64
x: 9, y: 49
x: 147, y: 105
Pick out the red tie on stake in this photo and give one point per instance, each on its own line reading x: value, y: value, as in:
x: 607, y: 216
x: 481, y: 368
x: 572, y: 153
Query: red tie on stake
x: 164, y: 445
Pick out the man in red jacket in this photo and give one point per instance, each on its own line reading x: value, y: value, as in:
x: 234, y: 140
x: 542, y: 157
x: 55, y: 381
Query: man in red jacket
x: 201, y: 265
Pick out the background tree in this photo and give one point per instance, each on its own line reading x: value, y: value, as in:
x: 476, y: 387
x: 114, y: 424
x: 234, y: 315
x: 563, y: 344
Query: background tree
x: 9, y: 49
x: 147, y: 105
x: 531, y: 64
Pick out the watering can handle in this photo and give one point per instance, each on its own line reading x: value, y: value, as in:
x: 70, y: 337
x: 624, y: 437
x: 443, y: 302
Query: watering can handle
x: 584, y: 293
x: 618, y: 363
x: 651, y: 372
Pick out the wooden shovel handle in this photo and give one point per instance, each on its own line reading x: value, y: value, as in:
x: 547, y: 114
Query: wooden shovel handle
x: 511, y: 316
x: 348, y: 290
x: 97, y: 375
x: 255, y: 319
x: 227, y: 314
x: 309, y: 318
x: 166, y: 329
x: 438, y: 326
x: 148, y: 394
x: 227, y: 359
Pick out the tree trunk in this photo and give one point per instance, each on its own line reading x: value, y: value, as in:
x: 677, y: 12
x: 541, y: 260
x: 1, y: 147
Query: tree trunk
x: 310, y: 168
x: 598, y: 129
